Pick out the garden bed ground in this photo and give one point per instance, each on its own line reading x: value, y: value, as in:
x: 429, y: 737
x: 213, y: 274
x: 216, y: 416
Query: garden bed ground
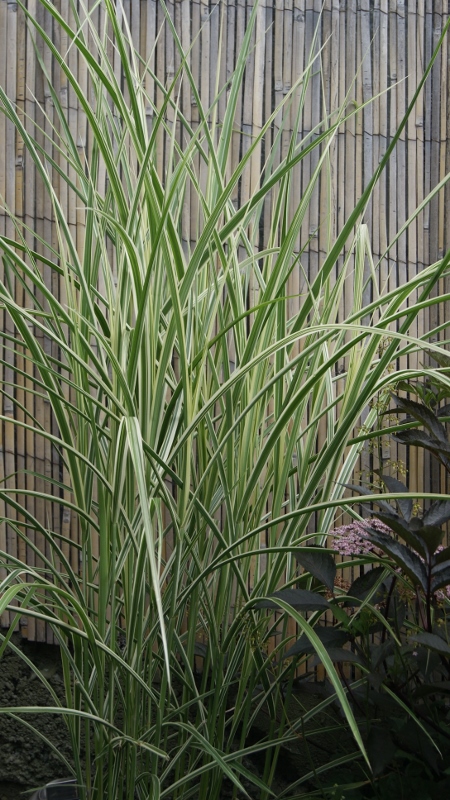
x: 27, y: 762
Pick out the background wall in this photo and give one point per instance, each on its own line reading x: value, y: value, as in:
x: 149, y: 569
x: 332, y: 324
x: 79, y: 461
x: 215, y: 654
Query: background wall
x: 368, y: 48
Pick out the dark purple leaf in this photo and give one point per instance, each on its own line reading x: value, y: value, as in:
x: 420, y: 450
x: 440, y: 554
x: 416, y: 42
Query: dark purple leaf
x: 432, y: 536
x: 443, y: 555
x: 338, y: 655
x: 432, y: 641
x: 320, y: 564
x: 380, y: 652
x: 380, y: 748
x: 438, y: 513
x: 402, y: 529
x: 440, y: 576
x: 443, y: 411
x: 368, y: 493
x: 297, y: 598
x: 421, y: 439
x: 330, y: 637
x: 443, y: 687
x: 424, y: 415
x: 442, y: 359
x: 405, y: 504
x: 362, y: 585
x: 409, y: 562
x: 411, y: 739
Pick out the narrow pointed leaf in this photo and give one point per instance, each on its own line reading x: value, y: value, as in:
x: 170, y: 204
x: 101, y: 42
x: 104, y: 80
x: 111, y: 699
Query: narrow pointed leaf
x: 332, y: 674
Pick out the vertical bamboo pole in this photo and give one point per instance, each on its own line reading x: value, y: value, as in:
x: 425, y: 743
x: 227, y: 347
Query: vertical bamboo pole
x: 287, y: 72
x: 391, y: 453
x: 298, y: 57
x: 352, y: 166
x: 435, y: 92
x: 258, y: 98
x: 205, y: 40
x: 295, y: 282
x: 375, y: 234
x: 359, y: 127
x: 231, y: 49
x: 136, y: 22
x: 3, y: 73
x: 444, y: 204
x: 316, y: 116
x: 309, y: 225
x: 247, y: 113
x: 29, y: 197
x: 420, y: 129
x: 411, y: 200
x: 222, y: 44
x: 20, y: 294
x: 49, y: 347
x: 82, y: 144
x: 277, y: 81
x: 4, y: 618
x: 324, y: 189
x: 429, y: 468
x: 195, y: 67
x: 214, y: 55
x: 39, y: 451
x: 365, y: 92
x: 185, y: 36
x: 383, y: 123
x: 401, y: 276
x: 149, y: 53
x: 268, y: 105
x: 340, y: 93
x: 54, y: 510
x: 246, y: 139
x: 10, y: 200
x: 64, y: 200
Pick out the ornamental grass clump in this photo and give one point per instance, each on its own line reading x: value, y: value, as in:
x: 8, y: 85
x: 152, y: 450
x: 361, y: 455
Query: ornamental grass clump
x: 187, y: 418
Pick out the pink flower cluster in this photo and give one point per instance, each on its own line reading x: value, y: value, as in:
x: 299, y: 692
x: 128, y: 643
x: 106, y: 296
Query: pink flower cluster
x: 351, y: 540
x: 443, y: 593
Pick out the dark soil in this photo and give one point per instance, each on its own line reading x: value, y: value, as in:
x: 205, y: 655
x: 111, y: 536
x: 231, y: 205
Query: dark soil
x: 26, y: 760
x: 13, y: 791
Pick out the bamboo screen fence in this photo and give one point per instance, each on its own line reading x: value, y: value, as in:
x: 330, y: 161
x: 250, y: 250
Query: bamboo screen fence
x: 385, y: 43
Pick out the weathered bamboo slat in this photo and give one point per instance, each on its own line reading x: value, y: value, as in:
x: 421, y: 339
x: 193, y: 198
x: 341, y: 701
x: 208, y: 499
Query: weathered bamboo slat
x: 4, y: 619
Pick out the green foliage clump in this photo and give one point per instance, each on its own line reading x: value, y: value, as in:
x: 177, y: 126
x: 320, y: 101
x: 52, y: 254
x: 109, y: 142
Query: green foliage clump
x: 188, y: 437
